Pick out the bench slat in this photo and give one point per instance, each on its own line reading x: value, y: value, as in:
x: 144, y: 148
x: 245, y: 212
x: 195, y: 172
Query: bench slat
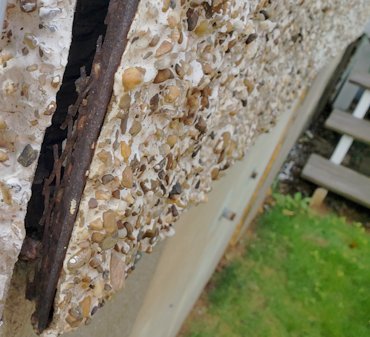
x: 361, y: 79
x: 338, y: 179
x: 345, y: 123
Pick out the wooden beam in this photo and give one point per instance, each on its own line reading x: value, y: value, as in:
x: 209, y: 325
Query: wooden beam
x: 338, y: 179
x: 360, y: 79
x: 359, y: 62
x: 344, y: 123
x: 346, y: 141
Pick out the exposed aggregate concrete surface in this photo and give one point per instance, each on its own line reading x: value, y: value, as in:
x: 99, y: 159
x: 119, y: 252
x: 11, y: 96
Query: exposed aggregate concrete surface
x: 34, y: 48
x: 199, y: 80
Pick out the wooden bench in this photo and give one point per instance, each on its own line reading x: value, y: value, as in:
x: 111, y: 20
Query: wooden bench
x: 360, y: 79
x: 338, y: 179
x: 329, y: 173
x: 344, y: 123
x: 359, y: 63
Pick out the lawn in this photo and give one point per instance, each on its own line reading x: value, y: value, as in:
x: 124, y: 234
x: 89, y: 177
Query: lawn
x: 301, y: 274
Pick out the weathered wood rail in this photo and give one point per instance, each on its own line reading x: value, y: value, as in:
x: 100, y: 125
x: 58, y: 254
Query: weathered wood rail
x: 344, y: 123
x: 338, y: 179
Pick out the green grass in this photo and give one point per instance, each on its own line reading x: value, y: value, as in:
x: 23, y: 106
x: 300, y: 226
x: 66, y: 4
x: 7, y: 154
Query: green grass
x: 303, y: 275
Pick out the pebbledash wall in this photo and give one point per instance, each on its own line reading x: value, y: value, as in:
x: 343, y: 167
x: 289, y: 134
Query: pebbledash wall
x: 34, y: 48
x: 197, y: 84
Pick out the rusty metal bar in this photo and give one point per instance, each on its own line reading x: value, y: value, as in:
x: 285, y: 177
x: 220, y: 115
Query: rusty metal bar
x: 62, y: 211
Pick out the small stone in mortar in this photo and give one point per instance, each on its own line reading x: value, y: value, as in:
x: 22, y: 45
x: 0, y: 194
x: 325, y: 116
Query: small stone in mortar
x: 28, y: 156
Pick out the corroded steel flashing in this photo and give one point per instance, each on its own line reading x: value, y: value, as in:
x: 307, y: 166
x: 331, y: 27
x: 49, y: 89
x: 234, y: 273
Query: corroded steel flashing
x: 60, y: 213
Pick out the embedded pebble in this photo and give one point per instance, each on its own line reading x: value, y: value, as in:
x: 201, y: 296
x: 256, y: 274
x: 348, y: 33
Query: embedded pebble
x: 135, y: 128
x: 97, y: 237
x: 163, y: 75
x: 117, y: 271
x: 110, y: 221
x: 179, y: 70
x: 93, y: 203
x: 30, y: 40
x: 47, y: 13
x: 127, y: 177
x: 125, y: 151
x: 164, y: 48
x: 3, y: 125
x: 96, y: 224
x: 192, y: 18
x: 79, y: 259
x: 154, y: 41
x: 52, y: 106
x: 125, y: 102
x: 172, y: 140
x: 28, y: 6
x: 107, y: 178
x: 6, y: 194
x: 28, y: 156
x: 165, y: 149
x: 109, y: 242
x: 55, y: 81
x: 72, y: 321
x: 102, y: 195
x: 85, y: 305
x: 76, y: 313
x: 214, y: 173
x: 116, y: 194
x: 172, y: 93
x: 3, y: 156
x: 132, y: 77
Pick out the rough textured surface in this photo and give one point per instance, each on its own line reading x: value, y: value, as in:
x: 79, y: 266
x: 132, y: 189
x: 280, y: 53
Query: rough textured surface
x: 77, y: 156
x: 197, y: 83
x: 33, y: 53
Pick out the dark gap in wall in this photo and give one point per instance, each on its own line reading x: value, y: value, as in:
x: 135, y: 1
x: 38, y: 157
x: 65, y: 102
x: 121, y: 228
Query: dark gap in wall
x: 88, y: 25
